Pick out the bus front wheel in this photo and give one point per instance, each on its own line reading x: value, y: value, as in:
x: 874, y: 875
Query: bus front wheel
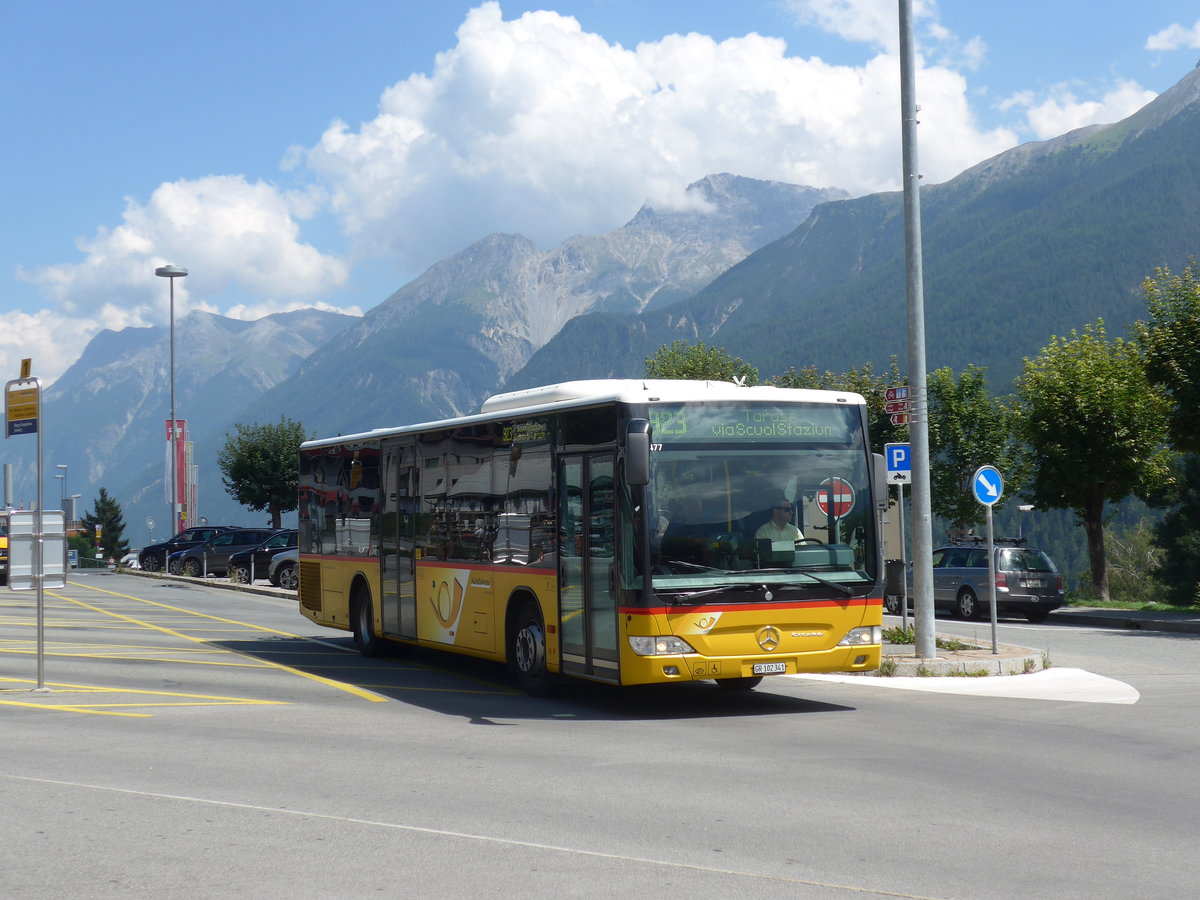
x: 528, y: 651
x: 363, y: 618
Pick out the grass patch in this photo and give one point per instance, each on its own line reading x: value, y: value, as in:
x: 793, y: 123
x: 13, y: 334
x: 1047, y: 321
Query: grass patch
x: 1128, y: 604
x: 909, y: 636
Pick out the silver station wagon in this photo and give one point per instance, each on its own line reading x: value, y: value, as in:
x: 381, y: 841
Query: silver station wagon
x: 1027, y: 581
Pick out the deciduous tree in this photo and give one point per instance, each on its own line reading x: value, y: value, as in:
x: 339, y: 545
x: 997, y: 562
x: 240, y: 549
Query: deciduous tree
x: 259, y: 466
x: 968, y: 428
x: 1096, y: 428
x: 1170, y: 345
x: 697, y: 361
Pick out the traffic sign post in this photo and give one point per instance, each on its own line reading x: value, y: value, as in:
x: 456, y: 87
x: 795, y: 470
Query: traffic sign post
x: 897, y: 404
x: 22, y: 414
x: 987, y: 485
x: 899, y: 473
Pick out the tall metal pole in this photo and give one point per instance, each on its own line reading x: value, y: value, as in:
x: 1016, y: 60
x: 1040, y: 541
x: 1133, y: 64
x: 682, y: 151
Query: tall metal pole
x: 918, y: 428
x: 39, y: 562
x: 171, y: 273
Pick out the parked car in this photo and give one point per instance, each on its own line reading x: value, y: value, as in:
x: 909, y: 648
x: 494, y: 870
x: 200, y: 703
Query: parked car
x: 1027, y: 581
x: 212, y: 557
x: 153, y: 558
x: 247, y: 565
x: 284, y: 570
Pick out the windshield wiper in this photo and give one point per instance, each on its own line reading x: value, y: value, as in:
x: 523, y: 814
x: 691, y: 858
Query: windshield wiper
x: 836, y: 585
x: 705, y: 592
x: 690, y: 565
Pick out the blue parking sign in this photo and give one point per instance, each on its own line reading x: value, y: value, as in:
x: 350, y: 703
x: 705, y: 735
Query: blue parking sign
x: 899, y: 463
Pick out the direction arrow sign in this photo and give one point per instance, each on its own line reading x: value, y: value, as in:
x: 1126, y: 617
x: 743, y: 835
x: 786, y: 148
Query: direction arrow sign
x: 896, y: 406
x: 895, y: 393
x: 899, y: 418
x: 987, y: 485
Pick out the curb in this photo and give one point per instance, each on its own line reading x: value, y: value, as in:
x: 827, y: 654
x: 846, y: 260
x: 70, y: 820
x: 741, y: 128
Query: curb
x: 979, y: 661
x: 1129, y: 620
x: 223, y: 583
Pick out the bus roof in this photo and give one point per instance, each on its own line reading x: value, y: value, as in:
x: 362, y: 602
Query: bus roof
x: 572, y: 394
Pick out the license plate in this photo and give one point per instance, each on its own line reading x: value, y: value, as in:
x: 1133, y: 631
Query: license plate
x: 770, y: 668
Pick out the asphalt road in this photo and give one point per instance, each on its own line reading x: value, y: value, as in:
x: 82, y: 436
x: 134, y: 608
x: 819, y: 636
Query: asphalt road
x: 203, y: 743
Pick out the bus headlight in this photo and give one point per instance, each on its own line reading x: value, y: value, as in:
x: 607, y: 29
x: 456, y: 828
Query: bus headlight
x: 663, y: 645
x: 868, y: 634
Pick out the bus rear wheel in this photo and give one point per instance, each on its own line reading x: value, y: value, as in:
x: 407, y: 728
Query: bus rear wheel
x: 363, y: 618
x: 528, y: 651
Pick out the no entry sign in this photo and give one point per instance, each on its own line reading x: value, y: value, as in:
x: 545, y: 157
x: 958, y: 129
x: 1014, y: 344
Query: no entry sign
x: 843, y: 497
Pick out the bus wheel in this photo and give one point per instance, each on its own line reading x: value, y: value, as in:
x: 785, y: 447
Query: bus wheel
x: 363, y: 618
x: 739, y: 684
x: 529, y: 651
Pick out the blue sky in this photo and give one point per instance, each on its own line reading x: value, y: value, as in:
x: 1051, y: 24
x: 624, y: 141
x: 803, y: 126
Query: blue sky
x: 309, y: 153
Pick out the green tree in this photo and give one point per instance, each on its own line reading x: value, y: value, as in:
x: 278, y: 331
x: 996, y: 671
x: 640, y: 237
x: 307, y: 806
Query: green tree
x: 862, y: 381
x: 968, y: 428
x: 1095, y: 427
x: 1134, y: 562
x: 1170, y: 345
x: 259, y: 466
x: 697, y: 361
x: 1178, y: 533
x: 106, y: 513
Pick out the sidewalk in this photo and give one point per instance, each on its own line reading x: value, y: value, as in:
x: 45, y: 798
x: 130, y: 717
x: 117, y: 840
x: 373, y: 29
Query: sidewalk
x: 1012, y: 660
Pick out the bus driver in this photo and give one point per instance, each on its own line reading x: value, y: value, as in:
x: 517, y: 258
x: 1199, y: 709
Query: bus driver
x: 780, y: 526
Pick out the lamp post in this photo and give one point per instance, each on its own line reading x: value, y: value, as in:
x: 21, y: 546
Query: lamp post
x: 171, y: 273
x: 1022, y: 509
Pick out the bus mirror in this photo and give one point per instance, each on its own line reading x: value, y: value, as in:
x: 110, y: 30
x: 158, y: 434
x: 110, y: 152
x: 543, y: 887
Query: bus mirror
x: 637, y: 452
x: 881, y: 477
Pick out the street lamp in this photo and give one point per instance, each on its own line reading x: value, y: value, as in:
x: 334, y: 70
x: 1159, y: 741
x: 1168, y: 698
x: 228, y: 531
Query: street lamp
x: 171, y: 273
x: 1024, y: 508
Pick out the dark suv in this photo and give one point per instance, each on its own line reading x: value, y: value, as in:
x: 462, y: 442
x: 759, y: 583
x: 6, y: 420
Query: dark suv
x: 245, y: 566
x: 154, y: 557
x: 1027, y: 581
x: 212, y: 557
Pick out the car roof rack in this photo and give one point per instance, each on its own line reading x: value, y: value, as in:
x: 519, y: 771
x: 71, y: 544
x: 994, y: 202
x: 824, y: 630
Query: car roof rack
x: 969, y: 538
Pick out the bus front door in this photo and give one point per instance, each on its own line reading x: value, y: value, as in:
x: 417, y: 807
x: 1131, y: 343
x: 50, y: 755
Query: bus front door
x: 587, y: 585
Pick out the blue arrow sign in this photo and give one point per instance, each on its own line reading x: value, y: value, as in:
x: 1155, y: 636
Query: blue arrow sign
x: 987, y: 484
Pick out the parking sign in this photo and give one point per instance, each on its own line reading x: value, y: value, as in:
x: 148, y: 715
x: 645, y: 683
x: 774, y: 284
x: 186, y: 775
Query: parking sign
x: 899, y: 463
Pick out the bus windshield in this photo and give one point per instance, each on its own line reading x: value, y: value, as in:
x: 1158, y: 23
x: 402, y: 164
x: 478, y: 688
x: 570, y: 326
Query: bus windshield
x: 747, y: 494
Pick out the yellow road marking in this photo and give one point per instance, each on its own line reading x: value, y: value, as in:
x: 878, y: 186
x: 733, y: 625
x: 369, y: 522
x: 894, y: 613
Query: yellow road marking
x: 339, y: 685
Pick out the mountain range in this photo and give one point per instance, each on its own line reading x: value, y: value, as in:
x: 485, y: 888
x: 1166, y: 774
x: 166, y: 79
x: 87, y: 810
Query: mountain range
x: 438, y: 346
x: 1036, y: 241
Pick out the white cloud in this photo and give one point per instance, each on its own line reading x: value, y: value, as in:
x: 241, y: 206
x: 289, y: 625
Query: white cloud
x: 534, y: 125
x: 229, y: 233
x: 1063, y: 111
x: 871, y: 22
x: 1175, y: 37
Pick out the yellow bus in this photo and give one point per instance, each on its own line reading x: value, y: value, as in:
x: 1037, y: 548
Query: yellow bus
x: 622, y: 531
